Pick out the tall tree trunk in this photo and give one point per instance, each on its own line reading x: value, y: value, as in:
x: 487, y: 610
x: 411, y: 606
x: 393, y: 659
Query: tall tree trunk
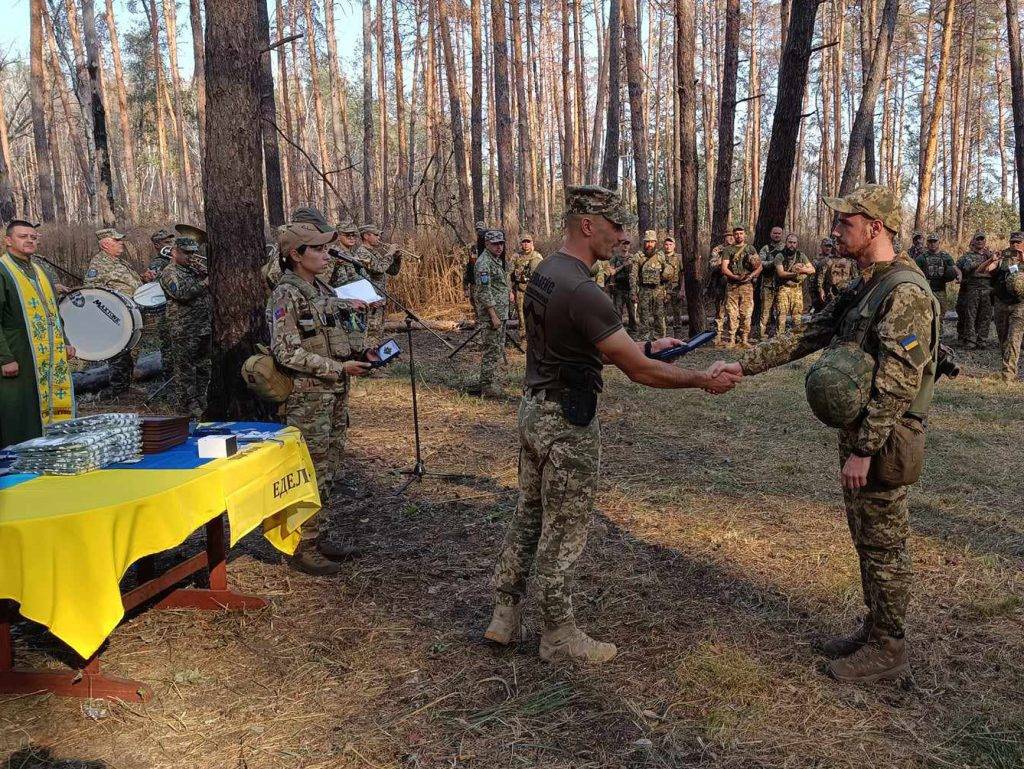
x: 326, y: 162
x: 1016, y: 100
x: 171, y: 25
x: 109, y: 212
x: 928, y: 148
x: 8, y: 209
x: 161, y: 129
x: 525, y: 144
x: 291, y: 157
x: 476, y: 119
x: 686, y: 208
x: 44, y: 176
x: 755, y: 114
x: 778, y: 172
x: 610, y: 167
x: 1001, y: 132
x: 726, y: 123
x: 506, y: 169
x: 785, y: 14
x: 268, y: 121
x: 400, y: 202
x: 368, y: 139
x: 382, y: 117
x: 579, y: 66
x: 233, y: 190
x: 568, y: 132
x: 458, y: 132
x: 199, y: 68
x: 634, y: 81
x: 869, y: 96
x: 131, y: 185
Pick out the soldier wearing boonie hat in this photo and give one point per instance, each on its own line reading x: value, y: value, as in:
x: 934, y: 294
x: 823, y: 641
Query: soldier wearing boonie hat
x: 380, y: 261
x: 491, y: 288
x: 524, y: 262
x: 938, y: 266
x: 874, y: 383
x: 341, y: 271
x: 570, y: 324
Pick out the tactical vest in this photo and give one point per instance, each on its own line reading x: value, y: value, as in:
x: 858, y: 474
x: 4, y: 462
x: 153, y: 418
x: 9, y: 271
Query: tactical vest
x: 621, y: 278
x: 788, y: 262
x: 934, y: 266
x: 1008, y: 284
x: 325, y: 327
x: 670, y: 275
x: 650, y: 271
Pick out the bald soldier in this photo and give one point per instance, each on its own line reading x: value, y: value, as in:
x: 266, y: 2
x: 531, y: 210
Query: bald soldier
x: 572, y: 330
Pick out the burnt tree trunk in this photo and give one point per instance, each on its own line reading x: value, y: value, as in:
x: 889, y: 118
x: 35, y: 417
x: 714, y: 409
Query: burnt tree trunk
x: 1017, y: 98
x: 726, y: 123
x: 109, y: 212
x: 610, y: 167
x: 778, y: 171
x: 268, y: 123
x: 686, y: 209
x: 638, y: 127
x: 233, y: 188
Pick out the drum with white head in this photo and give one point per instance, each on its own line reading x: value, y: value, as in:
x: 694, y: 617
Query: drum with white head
x: 100, y: 324
x: 150, y: 297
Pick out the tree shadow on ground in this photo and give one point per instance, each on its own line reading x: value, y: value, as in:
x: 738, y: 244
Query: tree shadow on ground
x: 35, y: 757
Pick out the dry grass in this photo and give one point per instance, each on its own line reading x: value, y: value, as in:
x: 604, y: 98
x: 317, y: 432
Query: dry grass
x: 718, y: 554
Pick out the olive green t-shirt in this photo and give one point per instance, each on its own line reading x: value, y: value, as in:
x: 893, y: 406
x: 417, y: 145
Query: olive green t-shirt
x: 566, y: 314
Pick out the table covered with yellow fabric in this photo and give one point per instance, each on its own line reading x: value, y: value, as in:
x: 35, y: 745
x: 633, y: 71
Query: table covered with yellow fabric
x: 66, y: 542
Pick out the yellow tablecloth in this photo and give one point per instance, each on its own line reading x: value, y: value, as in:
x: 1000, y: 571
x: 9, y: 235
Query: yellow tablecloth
x: 66, y: 542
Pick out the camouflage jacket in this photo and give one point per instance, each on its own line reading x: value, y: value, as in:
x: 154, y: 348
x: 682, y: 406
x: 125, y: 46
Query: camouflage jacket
x: 599, y: 272
x: 312, y: 333
x: 899, y: 341
x: 113, y: 273
x: 816, y: 282
x: 968, y: 264
x: 189, y: 307
x: 523, y: 266
x: 768, y: 254
x: 491, y: 284
x: 742, y: 259
x: 379, y: 263
x: 786, y: 262
x: 648, y: 271
x: 161, y: 260
x: 339, y: 272
x: 838, y: 274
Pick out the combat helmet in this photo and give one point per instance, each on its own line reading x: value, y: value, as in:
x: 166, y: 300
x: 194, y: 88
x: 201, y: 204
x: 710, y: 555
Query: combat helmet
x: 838, y: 385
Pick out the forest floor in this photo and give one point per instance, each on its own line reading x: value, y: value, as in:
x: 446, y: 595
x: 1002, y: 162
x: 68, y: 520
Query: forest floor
x: 718, y: 554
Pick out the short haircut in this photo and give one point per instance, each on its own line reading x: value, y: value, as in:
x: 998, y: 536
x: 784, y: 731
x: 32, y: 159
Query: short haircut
x: 17, y: 223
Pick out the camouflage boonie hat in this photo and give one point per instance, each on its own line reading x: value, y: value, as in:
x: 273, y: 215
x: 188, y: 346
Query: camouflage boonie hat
x: 186, y: 245
x: 310, y: 215
x: 979, y: 236
x: 109, y: 232
x: 669, y: 239
x: 481, y: 226
x: 592, y: 199
x: 650, y: 236
x: 932, y: 238
x: 162, y: 235
x: 369, y: 229
x: 1017, y: 237
x: 526, y: 238
x: 873, y: 201
x: 295, y: 234
x: 494, y: 236
x: 348, y: 228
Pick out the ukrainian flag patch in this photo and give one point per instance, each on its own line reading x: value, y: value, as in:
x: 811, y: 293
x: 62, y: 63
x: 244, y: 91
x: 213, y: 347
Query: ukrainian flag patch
x: 908, y: 343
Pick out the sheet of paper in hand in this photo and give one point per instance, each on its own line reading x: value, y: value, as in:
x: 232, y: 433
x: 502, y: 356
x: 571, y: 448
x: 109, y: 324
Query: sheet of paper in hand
x: 358, y: 289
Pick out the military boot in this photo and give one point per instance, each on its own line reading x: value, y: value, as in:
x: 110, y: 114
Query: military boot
x: 844, y: 646
x: 569, y: 642
x: 881, y: 657
x: 309, y: 560
x: 506, y: 625
x: 337, y: 550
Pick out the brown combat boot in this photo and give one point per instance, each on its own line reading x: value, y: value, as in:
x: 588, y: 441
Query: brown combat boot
x: 844, y: 646
x: 880, y: 658
x: 569, y: 642
x: 309, y: 560
x: 337, y: 550
x: 506, y: 625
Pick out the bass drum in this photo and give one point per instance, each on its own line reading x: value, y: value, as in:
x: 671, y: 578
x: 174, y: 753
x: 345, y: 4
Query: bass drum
x: 100, y: 324
x: 150, y: 297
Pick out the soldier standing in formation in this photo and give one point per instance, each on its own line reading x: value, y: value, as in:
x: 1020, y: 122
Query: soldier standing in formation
x: 974, y: 304
x: 839, y: 273
x: 571, y: 327
x: 524, y: 262
x: 492, y: 291
x: 163, y: 242
x: 189, y: 319
x: 1009, y: 307
x: 673, y: 271
x: 791, y: 268
x: 816, y: 281
x: 765, y: 286
x: 916, y: 247
x: 716, y: 280
x: 741, y: 266
x: 318, y: 339
x: 939, y: 268
x: 620, y: 267
x: 891, y: 328
x: 648, y: 283
x: 379, y: 262
x: 109, y: 270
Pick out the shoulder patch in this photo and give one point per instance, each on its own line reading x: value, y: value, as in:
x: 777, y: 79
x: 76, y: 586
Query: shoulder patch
x: 92, y: 273
x: 279, y: 313
x: 909, y: 342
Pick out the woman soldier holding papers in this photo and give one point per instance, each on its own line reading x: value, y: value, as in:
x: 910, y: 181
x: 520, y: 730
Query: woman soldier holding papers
x: 319, y: 340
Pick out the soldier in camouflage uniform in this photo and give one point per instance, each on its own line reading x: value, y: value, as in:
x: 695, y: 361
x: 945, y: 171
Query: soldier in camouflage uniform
x: 1010, y: 315
x: 791, y: 268
x: 974, y: 304
x: 939, y: 268
x: 523, y: 264
x: 717, y: 282
x: 109, y: 270
x: 617, y: 276
x: 648, y: 283
x: 492, y: 290
x: 380, y: 261
x: 673, y: 287
x: 163, y: 243
x: 839, y: 273
x: 741, y: 266
x: 189, y: 317
x: 319, y: 340
x: 902, y: 337
x: 816, y: 282
x: 916, y: 249
x: 570, y: 325
x: 766, y: 286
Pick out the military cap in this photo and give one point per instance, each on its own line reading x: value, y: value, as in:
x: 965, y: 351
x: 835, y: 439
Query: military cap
x: 348, y: 228
x: 917, y: 235
x: 295, y: 234
x: 310, y: 215
x: 481, y: 226
x: 738, y: 228
x: 526, y: 238
x: 669, y: 239
x: 186, y: 245
x: 109, y: 232
x: 1017, y: 237
x: 932, y: 238
x: 650, y: 235
x: 873, y: 201
x: 162, y: 235
x: 592, y: 199
x: 369, y: 229
x: 494, y: 236
x: 827, y: 242
x: 979, y: 236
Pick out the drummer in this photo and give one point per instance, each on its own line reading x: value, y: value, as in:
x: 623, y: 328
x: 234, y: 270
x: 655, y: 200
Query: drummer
x: 163, y: 242
x: 109, y: 270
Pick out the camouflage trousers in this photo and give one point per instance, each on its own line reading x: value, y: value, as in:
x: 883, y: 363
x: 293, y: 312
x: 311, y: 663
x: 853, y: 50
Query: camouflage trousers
x: 763, y: 311
x: 652, y: 312
x: 520, y: 297
x: 1010, y: 328
x: 492, y: 347
x: 122, y: 367
x: 974, y: 314
x: 190, y: 366
x: 789, y: 303
x: 879, y: 524
x: 675, y: 306
x: 166, y: 342
x: 739, y: 307
x: 622, y: 302
x: 375, y: 323
x: 558, y: 469
x: 322, y: 418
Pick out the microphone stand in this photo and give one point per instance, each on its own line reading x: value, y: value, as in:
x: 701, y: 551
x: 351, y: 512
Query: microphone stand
x: 419, y: 469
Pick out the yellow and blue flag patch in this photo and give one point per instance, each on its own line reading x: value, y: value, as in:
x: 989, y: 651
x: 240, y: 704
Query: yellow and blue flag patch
x: 909, y: 342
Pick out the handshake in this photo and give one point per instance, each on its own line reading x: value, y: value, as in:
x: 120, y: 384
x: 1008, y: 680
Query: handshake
x: 718, y: 378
